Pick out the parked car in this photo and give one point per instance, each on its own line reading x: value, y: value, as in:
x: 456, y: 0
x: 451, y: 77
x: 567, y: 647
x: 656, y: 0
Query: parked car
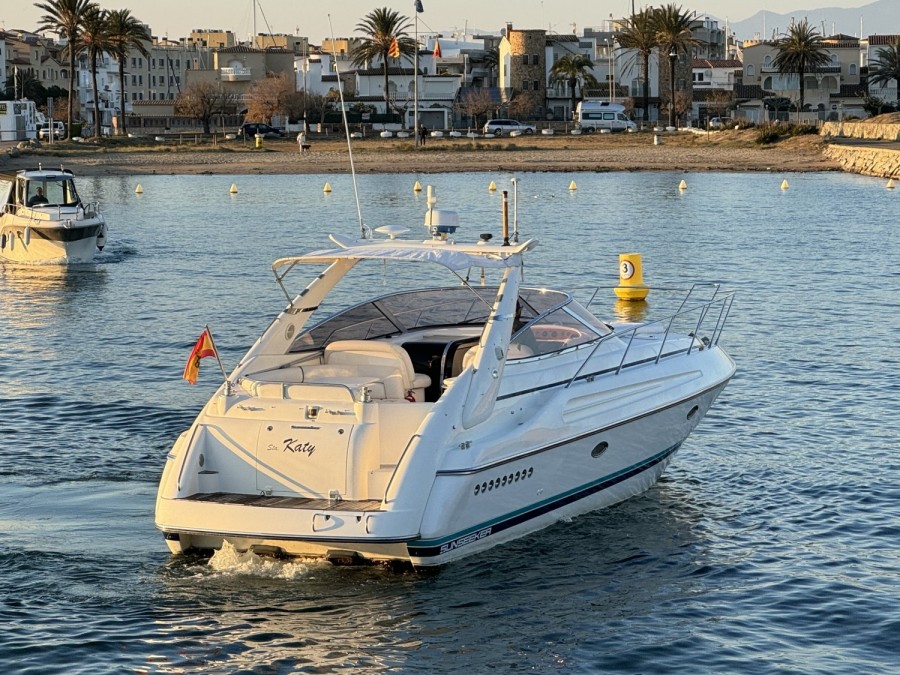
x: 59, y: 130
x: 252, y: 129
x: 593, y: 115
x: 721, y: 123
x: 503, y: 127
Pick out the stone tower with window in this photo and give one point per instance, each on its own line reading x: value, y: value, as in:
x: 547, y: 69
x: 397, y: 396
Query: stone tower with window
x: 523, y: 71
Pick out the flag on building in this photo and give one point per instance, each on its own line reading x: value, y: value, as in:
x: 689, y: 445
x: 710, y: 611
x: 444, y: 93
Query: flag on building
x: 437, y: 48
x: 204, y: 347
x: 394, y: 49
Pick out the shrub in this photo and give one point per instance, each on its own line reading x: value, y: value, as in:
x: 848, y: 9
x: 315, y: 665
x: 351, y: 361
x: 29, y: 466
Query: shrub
x: 767, y: 136
x: 802, y: 130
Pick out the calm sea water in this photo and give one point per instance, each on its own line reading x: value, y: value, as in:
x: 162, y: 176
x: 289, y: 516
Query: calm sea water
x: 772, y: 544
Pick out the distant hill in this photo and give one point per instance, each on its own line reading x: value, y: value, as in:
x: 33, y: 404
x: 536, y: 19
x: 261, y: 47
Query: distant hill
x: 878, y: 18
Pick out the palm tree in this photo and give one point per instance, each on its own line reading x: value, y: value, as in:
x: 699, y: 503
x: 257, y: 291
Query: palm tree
x: 491, y: 60
x: 801, y: 51
x: 25, y: 85
x: 125, y: 33
x: 95, y: 40
x: 573, y: 69
x: 639, y: 34
x: 64, y: 17
x: 887, y: 68
x: 674, y: 37
x: 381, y: 26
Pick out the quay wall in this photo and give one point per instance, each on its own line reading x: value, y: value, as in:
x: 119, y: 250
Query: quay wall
x: 864, y: 130
x: 866, y: 160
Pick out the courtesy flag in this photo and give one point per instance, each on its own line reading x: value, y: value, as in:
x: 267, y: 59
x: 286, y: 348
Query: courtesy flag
x: 394, y: 50
x: 437, y: 49
x: 204, y: 347
x: 418, y: 6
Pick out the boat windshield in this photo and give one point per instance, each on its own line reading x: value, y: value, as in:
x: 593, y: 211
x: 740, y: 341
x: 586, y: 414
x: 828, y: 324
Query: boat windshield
x: 400, y: 313
x: 54, y: 191
x: 455, y: 306
x: 558, y: 325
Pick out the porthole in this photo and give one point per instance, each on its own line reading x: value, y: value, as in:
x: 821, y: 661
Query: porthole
x: 599, y: 449
x: 530, y: 471
x: 491, y: 485
x: 510, y: 478
x: 477, y: 490
x: 693, y: 411
x: 518, y: 475
x: 484, y: 487
x: 503, y: 481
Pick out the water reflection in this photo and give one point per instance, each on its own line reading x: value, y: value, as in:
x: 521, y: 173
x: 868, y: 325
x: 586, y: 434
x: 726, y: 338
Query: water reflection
x: 630, y: 311
x: 32, y: 294
x: 241, y: 611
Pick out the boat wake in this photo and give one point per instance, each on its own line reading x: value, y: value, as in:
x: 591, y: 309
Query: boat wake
x: 228, y: 561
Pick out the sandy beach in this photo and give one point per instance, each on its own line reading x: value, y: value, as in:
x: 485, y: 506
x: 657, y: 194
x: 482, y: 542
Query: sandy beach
x: 717, y: 151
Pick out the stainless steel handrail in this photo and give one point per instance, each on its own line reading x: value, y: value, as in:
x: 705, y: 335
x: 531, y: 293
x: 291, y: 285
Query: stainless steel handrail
x: 704, y: 309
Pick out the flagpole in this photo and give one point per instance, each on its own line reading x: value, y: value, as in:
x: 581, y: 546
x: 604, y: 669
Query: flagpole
x: 416, y: 79
x: 216, y: 350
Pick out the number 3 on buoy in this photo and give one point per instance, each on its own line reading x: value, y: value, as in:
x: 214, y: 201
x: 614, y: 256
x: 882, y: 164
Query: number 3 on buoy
x: 631, y: 278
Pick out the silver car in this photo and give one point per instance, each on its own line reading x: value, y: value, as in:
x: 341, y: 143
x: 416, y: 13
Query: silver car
x: 502, y: 127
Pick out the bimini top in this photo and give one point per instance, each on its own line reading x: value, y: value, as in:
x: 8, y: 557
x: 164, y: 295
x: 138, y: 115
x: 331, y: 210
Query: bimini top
x: 443, y: 252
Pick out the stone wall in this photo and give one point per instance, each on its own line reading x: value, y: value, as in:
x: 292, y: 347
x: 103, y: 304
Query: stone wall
x: 867, y: 130
x: 868, y: 161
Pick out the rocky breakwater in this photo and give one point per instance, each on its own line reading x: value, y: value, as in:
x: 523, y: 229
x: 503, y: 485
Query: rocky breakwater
x: 870, y: 147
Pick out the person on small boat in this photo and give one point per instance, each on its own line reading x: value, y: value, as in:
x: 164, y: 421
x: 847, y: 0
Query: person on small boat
x: 37, y: 198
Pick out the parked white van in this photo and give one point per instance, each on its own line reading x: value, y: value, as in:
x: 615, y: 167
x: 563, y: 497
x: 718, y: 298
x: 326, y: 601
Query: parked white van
x: 595, y: 115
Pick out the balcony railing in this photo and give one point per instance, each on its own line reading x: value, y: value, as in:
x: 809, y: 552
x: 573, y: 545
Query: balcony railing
x: 827, y: 70
x: 235, y: 74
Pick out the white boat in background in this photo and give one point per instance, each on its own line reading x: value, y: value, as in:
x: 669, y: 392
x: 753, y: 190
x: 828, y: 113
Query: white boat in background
x: 426, y: 425
x: 43, y: 219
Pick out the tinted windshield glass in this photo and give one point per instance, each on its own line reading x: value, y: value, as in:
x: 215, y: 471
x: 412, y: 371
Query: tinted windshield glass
x: 399, y: 313
x: 557, y: 330
x: 56, y: 191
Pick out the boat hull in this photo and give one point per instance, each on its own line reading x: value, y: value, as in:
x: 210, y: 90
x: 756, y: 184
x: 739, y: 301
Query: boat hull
x: 56, y: 244
x: 468, y: 510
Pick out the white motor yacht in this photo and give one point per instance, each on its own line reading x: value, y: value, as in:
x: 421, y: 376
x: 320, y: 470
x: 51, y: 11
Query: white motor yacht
x: 430, y: 424
x: 43, y: 219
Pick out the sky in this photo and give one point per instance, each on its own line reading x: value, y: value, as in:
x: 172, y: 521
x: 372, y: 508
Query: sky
x: 176, y: 18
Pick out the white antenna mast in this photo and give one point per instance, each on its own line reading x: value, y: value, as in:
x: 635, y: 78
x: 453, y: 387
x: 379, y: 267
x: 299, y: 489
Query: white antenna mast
x: 337, y: 70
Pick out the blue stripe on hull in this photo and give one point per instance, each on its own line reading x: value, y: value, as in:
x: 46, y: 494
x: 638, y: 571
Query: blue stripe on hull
x: 435, y: 547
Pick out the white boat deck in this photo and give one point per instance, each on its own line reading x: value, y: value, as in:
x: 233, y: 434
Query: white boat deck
x: 277, y: 502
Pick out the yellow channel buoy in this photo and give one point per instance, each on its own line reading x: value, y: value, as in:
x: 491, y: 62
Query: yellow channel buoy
x: 631, y: 278
x: 492, y: 187
x: 890, y: 184
x: 417, y: 187
x: 327, y: 187
x: 233, y: 189
x: 138, y: 190
x: 784, y: 184
x: 682, y: 185
x: 572, y: 186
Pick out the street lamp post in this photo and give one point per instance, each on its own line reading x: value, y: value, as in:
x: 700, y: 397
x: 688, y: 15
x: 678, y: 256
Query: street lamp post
x: 417, y: 7
x: 610, y: 43
x: 673, y: 54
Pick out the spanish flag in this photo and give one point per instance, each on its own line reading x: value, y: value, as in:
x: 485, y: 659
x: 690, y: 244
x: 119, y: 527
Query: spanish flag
x: 437, y: 49
x: 204, y: 347
x: 394, y: 49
